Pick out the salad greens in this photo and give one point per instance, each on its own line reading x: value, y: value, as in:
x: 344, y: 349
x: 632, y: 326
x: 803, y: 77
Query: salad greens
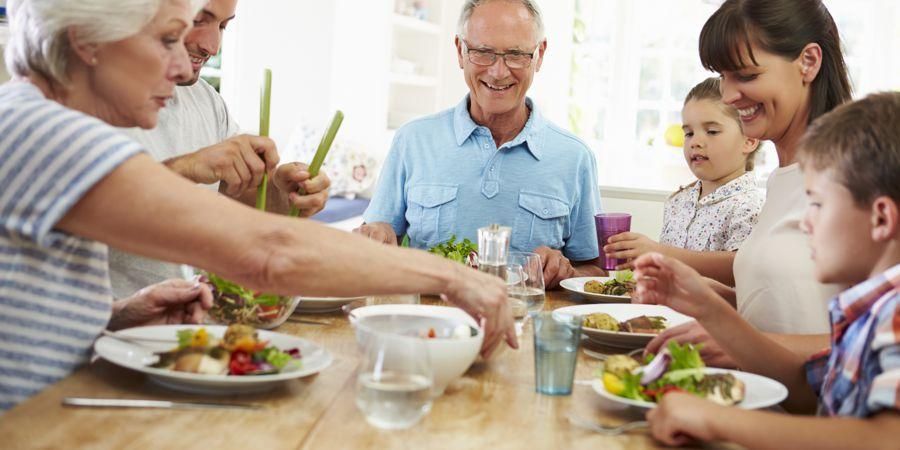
x: 458, y: 252
x: 684, y: 373
x: 237, y: 304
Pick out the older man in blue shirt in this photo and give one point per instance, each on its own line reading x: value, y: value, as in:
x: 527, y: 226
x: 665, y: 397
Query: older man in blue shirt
x: 493, y: 158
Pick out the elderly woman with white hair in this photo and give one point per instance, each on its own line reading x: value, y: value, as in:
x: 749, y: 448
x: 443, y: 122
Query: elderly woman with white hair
x: 70, y: 184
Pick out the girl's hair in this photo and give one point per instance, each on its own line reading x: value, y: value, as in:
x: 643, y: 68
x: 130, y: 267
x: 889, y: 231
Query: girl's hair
x: 39, y: 38
x: 782, y: 28
x: 709, y: 89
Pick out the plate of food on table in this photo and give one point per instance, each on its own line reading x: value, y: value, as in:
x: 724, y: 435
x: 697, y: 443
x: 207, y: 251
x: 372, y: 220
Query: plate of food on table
x: 616, y: 289
x: 679, y: 368
x: 626, y: 326
x: 213, y: 359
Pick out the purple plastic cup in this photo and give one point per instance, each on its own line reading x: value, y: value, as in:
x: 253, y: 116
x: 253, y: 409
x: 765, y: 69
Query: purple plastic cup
x: 610, y: 224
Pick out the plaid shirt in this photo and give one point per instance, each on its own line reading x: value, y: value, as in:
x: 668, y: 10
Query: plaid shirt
x: 860, y: 374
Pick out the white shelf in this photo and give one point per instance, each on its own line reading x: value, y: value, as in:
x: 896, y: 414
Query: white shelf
x: 413, y: 80
x: 413, y: 24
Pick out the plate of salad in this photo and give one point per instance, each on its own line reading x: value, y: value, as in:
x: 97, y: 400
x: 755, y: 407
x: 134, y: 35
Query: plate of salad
x: 615, y: 289
x: 213, y: 359
x: 680, y: 369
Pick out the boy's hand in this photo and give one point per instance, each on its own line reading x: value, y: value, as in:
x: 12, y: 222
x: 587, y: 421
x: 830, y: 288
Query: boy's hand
x: 693, y: 333
x: 666, y: 281
x: 629, y: 246
x: 680, y: 418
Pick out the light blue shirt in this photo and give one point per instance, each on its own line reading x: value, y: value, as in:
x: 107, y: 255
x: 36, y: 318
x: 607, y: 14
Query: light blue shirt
x: 445, y: 176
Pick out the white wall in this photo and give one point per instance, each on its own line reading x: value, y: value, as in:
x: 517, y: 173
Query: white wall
x: 295, y: 38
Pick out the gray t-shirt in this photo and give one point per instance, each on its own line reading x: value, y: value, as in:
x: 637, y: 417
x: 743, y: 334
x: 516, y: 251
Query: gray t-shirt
x: 195, y: 118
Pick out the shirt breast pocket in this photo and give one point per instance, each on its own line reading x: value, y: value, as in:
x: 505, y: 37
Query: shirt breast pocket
x: 432, y: 212
x: 540, y: 220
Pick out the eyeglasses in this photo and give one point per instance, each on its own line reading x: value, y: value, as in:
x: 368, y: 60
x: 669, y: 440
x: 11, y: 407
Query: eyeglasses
x: 513, y: 59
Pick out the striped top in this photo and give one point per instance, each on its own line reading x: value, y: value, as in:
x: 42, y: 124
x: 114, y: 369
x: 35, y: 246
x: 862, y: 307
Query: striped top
x: 860, y: 374
x: 54, y: 287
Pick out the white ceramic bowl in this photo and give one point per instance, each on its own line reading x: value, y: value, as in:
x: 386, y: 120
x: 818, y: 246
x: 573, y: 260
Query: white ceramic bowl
x: 450, y: 357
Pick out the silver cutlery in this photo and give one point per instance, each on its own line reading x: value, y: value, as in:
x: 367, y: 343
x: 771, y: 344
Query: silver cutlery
x: 137, y: 339
x: 606, y: 429
x: 157, y: 404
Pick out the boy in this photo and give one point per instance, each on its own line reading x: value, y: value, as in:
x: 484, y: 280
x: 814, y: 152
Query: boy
x: 850, y: 158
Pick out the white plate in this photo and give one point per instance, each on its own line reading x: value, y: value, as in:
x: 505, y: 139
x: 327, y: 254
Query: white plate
x: 138, y: 356
x: 623, y: 312
x: 760, y: 391
x: 323, y: 304
x: 576, y: 285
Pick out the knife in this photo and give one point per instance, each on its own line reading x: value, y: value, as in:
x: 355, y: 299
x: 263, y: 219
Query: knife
x: 163, y: 404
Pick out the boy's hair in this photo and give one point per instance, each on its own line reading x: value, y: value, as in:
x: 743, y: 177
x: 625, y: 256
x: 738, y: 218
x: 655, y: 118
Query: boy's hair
x: 860, y: 143
x: 709, y: 89
x: 782, y: 28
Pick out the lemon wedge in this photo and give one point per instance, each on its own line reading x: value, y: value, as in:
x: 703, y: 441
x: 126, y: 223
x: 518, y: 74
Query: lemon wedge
x: 613, y: 384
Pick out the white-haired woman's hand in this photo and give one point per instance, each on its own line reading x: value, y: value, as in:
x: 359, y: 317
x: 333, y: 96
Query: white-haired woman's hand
x: 484, y: 297
x: 168, y: 302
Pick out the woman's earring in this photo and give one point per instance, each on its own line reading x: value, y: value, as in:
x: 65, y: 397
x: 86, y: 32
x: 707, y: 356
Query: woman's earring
x: 93, y: 60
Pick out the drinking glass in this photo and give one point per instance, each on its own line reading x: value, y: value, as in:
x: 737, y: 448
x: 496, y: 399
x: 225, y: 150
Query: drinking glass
x: 556, y: 339
x: 528, y: 285
x: 395, y: 379
x: 608, y: 225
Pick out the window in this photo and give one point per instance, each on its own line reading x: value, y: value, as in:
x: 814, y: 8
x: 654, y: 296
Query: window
x: 634, y: 61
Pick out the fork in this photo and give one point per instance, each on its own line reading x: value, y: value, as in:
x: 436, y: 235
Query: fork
x: 606, y: 429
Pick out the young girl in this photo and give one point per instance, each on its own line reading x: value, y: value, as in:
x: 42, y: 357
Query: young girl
x: 704, y: 223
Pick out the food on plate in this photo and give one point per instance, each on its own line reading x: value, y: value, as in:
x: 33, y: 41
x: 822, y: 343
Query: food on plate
x: 639, y: 324
x: 233, y: 303
x: 622, y: 284
x: 464, y: 252
x: 619, y: 365
x: 239, y: 352
x: 458, y: 332
x: 676, y: 369
x: 601, y: 321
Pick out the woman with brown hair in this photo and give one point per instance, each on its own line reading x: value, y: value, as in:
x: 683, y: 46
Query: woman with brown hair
x: 781, y: 67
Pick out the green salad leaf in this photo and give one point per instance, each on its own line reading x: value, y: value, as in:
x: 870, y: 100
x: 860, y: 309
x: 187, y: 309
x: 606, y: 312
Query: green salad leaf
x: 685, y: 356
x: 623, y: 276
x: 455, y: 251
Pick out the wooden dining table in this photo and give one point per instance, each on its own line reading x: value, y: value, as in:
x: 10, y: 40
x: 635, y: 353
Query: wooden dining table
x: 494, y: 405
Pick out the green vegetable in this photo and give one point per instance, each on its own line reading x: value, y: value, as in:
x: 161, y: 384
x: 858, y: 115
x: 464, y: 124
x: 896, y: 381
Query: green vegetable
x: 228, y: 287
x: 265, y: 99
x: 685, y: 356
x: 624, y: 276
x: 184, y: 338
x: 633, y: 388
x: 455, y: 251
x: 275, y: 357
x: 322, y: 150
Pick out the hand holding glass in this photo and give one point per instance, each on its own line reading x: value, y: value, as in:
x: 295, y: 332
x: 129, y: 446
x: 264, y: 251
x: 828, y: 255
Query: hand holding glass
x: 608, y: 225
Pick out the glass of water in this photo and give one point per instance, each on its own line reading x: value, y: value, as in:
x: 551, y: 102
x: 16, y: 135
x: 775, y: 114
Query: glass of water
x: 395, y: 379
x: 528, y: 286
x: 556, y: 339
